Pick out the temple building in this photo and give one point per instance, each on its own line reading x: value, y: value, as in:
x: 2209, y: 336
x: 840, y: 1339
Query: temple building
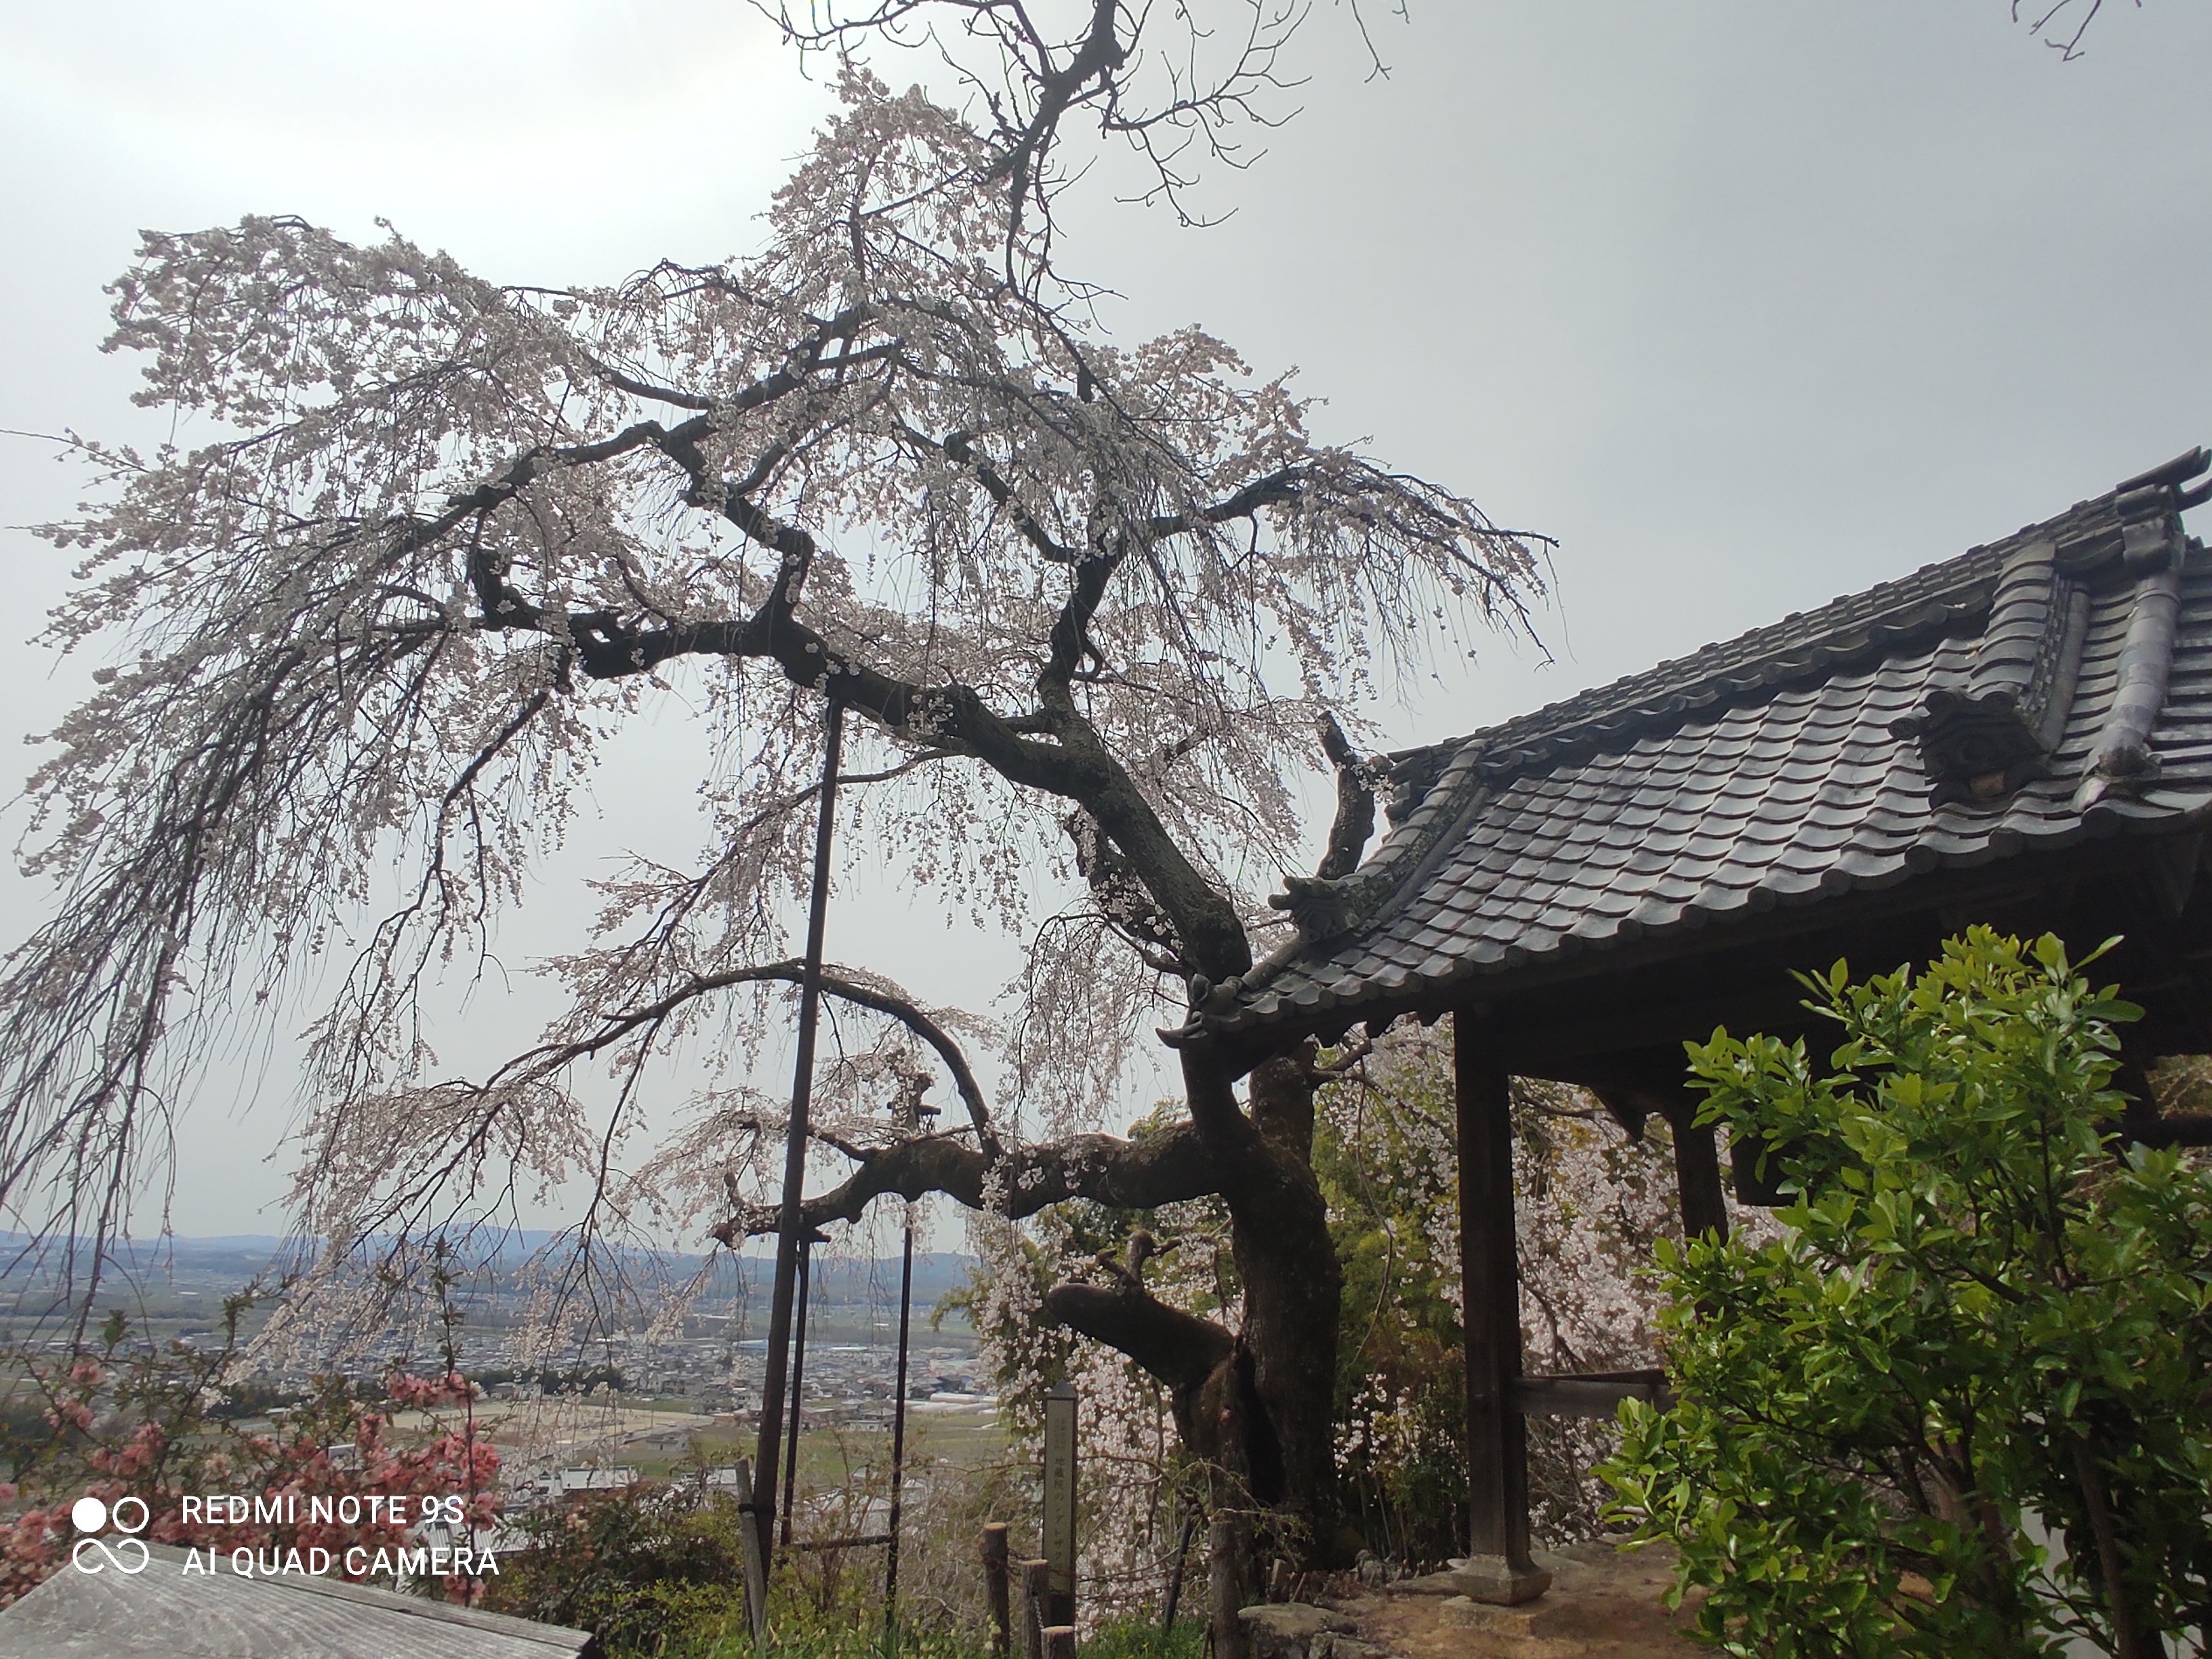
x: 2020, y: 736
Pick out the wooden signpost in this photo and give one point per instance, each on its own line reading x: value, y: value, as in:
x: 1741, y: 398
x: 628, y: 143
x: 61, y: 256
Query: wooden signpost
x: 1060, y: 1502
x: 1047, y: 1613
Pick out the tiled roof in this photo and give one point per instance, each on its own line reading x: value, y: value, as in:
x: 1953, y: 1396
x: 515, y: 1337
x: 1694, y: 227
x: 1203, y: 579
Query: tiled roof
x: 2025, y: 696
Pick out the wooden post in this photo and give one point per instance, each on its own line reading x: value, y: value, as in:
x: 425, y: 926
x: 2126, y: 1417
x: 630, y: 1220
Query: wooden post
x: 1059, y: 1641
x: 1698, y: 1174
x: 1037, y: 1586
x: 1060, y: 1501
x: 1498, y: 1569
x: 1224, y: 1587
x: 994, y: 1587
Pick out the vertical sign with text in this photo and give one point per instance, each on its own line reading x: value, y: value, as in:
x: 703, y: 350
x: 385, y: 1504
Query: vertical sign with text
x: 1060, y: 1501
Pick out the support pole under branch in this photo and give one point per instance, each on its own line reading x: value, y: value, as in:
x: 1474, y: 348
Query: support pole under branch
x: 898, y: 1426
x: 910, y: 1112
x: 791, y: 1221
x: 797, y: 1377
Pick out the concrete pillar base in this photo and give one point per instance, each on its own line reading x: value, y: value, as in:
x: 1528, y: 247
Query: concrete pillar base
x: 1494, y: 1579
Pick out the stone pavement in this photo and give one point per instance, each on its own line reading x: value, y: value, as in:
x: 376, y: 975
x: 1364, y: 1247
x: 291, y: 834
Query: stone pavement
x: 1603, y: 1604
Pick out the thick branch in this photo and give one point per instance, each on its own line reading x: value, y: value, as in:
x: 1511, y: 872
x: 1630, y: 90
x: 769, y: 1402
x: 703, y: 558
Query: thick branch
x: 1078, y: 767
x: 960, y: 447
x: 1123, y: 901
x: 1099, y: 55
x: 1280, y: 487
x: 1165, y: 1168
x: 1070, y: 632
x: 1181, y: 1349
x: 906, y: 1014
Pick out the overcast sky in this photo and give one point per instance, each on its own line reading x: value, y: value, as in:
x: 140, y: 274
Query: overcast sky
x: 1748, y: 302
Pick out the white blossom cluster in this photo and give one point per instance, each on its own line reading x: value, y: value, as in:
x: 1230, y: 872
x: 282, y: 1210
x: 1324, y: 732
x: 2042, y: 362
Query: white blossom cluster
x: 424, y: 544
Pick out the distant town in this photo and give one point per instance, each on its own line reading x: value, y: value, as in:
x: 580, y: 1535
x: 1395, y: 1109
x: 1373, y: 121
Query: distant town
x: 631, y: 1404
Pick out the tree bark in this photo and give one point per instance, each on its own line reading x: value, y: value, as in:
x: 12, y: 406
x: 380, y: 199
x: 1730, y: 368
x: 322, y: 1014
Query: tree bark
x: 1294, y: 1288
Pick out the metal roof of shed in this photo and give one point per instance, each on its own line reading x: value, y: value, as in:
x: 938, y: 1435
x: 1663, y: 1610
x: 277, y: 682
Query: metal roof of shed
x: 161, y: 1610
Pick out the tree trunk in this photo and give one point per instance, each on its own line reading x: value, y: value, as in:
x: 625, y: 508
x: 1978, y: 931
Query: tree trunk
x: 2129, y: 1642
x: 1293, y: 1292
x: 1259, y: 1405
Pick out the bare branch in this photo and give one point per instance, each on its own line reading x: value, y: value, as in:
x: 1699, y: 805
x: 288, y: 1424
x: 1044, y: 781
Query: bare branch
x: 1174, y: 86
x: 2081, y: 13
x: 873, y: 994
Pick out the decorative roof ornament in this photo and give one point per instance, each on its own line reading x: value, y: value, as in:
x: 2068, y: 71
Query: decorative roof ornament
x: 1982, y: 740
x: 2155, y: 552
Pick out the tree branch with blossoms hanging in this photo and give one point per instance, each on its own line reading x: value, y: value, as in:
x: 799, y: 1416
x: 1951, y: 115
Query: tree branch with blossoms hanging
x: 434, y: 542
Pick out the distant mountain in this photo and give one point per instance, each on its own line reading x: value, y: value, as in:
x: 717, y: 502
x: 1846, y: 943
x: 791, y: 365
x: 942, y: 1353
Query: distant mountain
x: 238, y: 1257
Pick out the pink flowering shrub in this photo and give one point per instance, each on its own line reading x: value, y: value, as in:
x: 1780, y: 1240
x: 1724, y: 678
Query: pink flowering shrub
x: 146, y: 1427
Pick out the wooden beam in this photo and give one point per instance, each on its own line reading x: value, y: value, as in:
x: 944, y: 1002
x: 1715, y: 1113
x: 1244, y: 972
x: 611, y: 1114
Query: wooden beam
x: 2175, y: 1129
x: 1598, y: 1394
x: 1496, y: 1438
x: 1655, y: 1085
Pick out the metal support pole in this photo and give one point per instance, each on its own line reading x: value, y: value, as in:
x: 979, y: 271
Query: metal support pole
x: 898, y: 1426
x: 1175, y: 1579
x: 797, y: 1381
x: 791, y: 1221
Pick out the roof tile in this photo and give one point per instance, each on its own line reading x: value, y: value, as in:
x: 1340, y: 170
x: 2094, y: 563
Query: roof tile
x: 1758, y: 771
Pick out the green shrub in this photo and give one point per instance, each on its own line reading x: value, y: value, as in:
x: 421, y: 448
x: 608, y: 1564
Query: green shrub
x: 1982, y: 1306
x: 657, y: 1572
x: 649, y: 1570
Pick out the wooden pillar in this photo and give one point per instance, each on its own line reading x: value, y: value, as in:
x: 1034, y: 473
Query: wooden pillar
x: 2132, y: 1079
x: 1036, y: 1588
x: 1498, y: 1567
x: 1698, y: 1174
x: 996, y: 1560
